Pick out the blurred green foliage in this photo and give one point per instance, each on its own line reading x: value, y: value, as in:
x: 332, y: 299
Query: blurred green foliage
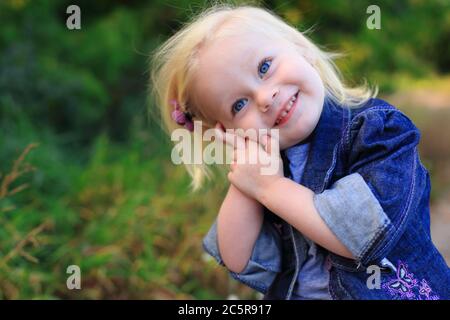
x: 103, y: 193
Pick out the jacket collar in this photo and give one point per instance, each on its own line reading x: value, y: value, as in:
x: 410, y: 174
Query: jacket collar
x: 324, y: 140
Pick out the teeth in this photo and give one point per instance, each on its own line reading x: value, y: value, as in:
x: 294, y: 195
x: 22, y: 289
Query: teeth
x: 288, y: 108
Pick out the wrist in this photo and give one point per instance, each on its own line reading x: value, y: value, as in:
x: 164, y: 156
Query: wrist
x: 265, y: 193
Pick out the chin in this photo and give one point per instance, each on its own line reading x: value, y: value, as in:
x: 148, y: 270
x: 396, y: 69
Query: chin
x: 287, y: 144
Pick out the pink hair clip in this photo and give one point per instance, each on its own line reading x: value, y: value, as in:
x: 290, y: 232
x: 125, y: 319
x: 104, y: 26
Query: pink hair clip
x: 180, y: 117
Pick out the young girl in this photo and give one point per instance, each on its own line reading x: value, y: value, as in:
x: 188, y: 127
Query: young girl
x: 347, y: 214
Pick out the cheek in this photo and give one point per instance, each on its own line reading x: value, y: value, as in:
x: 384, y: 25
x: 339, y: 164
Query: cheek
x: 236, y: 124
x: 315, y: 80
x: 291, y: 71
x: 249, y: 120
x: 318, y: 84
x: 306, y: 76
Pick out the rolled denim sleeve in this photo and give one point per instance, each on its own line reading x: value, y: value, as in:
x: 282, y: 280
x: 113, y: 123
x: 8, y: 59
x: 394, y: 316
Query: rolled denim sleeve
x: 265, y: 260
x: 369, y: 209
x: 352, y: 212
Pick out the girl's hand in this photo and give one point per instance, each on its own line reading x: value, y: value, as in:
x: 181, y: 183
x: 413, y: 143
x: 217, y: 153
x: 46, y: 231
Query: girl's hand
x: 255, y: 165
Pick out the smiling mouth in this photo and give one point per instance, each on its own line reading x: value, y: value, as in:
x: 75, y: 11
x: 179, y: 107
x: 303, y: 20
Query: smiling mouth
x: 285, y: 114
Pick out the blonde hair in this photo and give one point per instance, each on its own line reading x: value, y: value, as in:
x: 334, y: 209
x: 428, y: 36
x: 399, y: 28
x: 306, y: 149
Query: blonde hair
x: 173, y: 65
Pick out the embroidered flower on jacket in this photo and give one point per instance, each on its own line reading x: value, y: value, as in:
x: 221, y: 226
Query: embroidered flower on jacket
x: 406, y: 286
x: 425, y: 290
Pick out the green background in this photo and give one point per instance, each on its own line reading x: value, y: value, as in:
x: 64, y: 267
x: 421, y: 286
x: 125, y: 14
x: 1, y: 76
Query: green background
x: 96, y: 187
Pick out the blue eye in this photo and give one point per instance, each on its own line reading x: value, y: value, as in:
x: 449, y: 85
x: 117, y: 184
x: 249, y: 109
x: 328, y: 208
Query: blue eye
x: 262, y: 70
x: 263, y: 67
x: 238, y: 106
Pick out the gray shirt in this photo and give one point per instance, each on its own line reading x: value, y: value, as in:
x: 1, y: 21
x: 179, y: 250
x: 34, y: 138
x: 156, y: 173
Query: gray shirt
x: 313, y: 277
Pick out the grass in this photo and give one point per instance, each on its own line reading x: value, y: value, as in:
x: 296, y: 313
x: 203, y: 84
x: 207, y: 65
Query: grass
x: 134, y: 233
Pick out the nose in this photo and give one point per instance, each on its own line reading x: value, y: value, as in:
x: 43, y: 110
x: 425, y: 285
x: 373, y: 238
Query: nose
x: 265, y: 98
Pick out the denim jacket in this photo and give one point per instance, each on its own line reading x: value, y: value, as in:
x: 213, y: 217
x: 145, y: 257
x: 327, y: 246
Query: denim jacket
x: 373, y: 192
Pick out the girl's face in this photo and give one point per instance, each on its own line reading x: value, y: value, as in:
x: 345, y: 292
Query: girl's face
x: 247, y: 81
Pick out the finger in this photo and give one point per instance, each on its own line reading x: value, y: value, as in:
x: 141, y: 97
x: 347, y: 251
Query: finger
x: 226, y: 137
x: 229, y: 176
x: 240, y: 138
x: 219, y: 132
x: 219, y: 126
x: 272, y: 141
x: 232, y: 139
x: 223, y: 135
x: 239, y: 156
x: 265, y: 141
x: 247, y: 149
x: 241, y: 141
